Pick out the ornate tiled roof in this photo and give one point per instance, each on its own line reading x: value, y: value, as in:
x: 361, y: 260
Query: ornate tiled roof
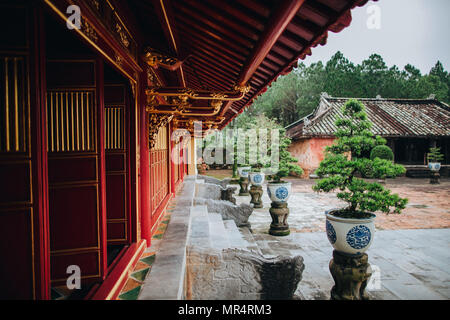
x: 390, y: 118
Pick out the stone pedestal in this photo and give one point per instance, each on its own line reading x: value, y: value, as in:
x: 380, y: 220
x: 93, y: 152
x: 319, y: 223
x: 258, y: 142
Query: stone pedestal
x: 279, y: 213
x: 351, y: 274
x: 435, y: 177
x: 256, y: 192
x: 243, y: 182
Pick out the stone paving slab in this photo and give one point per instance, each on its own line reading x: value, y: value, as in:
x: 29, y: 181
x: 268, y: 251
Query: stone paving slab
x: 416, y: 269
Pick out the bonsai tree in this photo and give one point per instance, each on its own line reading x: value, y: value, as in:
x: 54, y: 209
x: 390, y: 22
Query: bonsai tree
x: 287, y: 163
x: 344, y: 159
x: 434, y: 155
x: 257, y: 167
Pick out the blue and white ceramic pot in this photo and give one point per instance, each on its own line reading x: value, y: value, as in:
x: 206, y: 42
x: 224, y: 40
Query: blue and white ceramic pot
x: 244, y: 171
x: 256, y: 178
x: 279, y: 192
x: 434, y: 166
x: 350, y: 235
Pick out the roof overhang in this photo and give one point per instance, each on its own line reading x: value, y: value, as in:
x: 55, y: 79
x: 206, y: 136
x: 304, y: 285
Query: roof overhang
x: 218, y: 48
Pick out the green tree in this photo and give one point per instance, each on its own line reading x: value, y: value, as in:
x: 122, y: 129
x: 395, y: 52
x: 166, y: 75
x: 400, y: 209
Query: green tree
x: 294, y: 96
x: 373, y: 75
x: 344, y: 160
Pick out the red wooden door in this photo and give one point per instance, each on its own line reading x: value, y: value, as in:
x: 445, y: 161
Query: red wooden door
x: 22, y: 167
x: 75, y: 155
x: 117, y: 164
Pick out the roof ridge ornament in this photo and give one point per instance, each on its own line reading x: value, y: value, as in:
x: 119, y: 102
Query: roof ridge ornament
x: 306, y: 122
x: 324, y: 95
x: 431, y: 97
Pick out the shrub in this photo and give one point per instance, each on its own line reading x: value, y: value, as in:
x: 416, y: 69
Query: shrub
x: 287, y: 163
x: 354, y: 138
x: 382, y: 152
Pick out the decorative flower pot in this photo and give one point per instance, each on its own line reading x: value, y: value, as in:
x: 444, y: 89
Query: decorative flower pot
x: 434, y: 166
x: 350, y: 235
x: 256, y: 178
x: 279, y: 192
x: 244, y: 171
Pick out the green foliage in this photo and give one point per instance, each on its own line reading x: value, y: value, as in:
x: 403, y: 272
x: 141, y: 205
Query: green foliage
x: 344, y: 159
x: 382, y: 152
x: 297, y: 94
x: 435, y: 155
x: 287, y: 163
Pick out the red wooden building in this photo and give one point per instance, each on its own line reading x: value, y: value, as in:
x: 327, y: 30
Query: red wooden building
x: 87, y: 116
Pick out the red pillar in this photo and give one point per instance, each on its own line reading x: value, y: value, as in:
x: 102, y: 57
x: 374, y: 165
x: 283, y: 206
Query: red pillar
x: 171, y: 164
x: 146, y: 217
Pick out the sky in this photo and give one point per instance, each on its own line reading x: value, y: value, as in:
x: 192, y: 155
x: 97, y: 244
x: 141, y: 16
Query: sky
x: 410, y: 31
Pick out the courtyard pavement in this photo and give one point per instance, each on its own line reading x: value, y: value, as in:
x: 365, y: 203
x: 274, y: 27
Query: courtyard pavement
x: 410, y: 254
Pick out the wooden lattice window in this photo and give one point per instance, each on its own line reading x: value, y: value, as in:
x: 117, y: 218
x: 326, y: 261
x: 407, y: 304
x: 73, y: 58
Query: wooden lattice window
x: 159, y: 169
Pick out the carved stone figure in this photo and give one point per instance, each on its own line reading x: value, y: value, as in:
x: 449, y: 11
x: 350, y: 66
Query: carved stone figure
x: 229, y: 211
x: 216, y: 192
x: 235, y: 274
x: 223, y: 183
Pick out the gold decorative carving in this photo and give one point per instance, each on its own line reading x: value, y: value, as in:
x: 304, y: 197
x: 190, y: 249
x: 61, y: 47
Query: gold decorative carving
x: 96, y: 4
x: 154, y: 123
x: 243, y: 89
x: 153, y: 78
x: 122, y: 35
x: 154, y: 59
x: 118, y: 59
x: 179, y: 100
x: 133, y: 88
x: 199, y: 94
x: 88, y: 30
x: 216, y: 104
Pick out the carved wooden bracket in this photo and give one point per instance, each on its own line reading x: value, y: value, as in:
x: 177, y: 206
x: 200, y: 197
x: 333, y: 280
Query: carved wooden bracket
x: 180, y: 101
x: 156, y: 59
x: 154, y: 123
x: 187, y: 93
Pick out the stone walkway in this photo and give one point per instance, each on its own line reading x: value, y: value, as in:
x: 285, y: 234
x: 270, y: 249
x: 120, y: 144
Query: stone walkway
x: 410, y: 254
x: 406, y: 264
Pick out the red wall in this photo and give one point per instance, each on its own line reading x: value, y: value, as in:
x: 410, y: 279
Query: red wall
x: 309, y: 152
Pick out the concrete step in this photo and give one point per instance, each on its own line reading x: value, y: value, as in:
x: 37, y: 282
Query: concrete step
x: 199, y: 233
x: 218, y: 234
x: 199, y: 211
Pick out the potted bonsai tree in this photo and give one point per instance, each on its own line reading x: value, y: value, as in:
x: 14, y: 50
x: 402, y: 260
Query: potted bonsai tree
x: 350, y: 229
x: 244, y: 170
x: 256, y: 176
x: 278, y: 190
x: 434, y: 159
